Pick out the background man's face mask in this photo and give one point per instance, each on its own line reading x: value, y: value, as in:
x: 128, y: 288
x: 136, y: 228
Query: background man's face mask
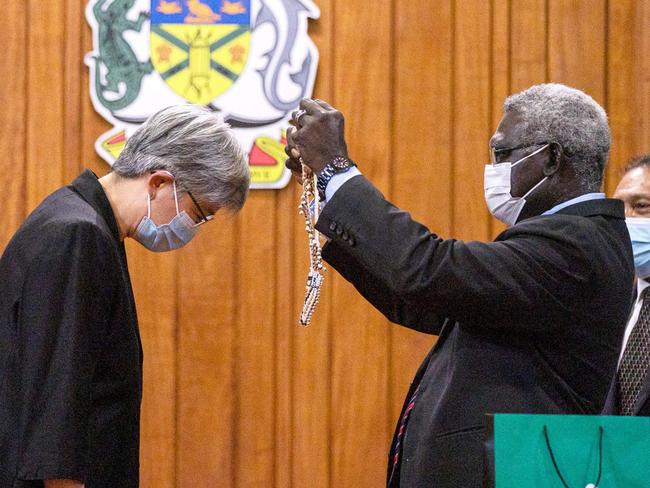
x: 497, y: 189
x: 167, y: 237
x: 639, y: 229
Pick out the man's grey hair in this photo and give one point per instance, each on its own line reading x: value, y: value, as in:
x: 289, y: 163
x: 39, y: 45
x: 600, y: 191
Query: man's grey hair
x: 195, y: 145
x: 556, y: 113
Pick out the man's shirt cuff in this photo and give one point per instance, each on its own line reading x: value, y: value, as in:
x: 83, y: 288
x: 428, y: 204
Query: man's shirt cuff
x: 338, y: 180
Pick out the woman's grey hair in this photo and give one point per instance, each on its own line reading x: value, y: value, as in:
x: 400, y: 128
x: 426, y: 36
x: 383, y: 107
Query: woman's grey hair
x: 556, y: 113
x: 195, y: 145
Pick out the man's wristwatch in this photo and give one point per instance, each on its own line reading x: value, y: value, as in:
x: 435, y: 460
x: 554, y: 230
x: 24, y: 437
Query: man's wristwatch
x: 336, y: 166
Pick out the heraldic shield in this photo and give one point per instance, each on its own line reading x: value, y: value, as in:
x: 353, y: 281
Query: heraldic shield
x: 200, y: 47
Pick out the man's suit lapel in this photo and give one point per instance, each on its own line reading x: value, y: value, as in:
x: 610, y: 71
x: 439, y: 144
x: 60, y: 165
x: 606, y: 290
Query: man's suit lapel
x: 444, y: 332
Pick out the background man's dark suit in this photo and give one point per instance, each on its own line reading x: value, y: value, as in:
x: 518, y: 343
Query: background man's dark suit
x: 642, y: 405
x: 528, y: 323
x: 634, y: 190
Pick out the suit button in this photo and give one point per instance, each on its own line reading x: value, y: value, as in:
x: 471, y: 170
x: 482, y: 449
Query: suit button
x: 345, y: 236
x: 351, y: 241
x: 339, y: 230
x: 332, y: 226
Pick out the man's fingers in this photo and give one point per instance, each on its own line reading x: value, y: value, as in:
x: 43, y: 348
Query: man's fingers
x: 311, y: 107
x: 324, y: 104
x: 296, y: 170
x: 293, y: 165
x: 292, y: 162
x: 299, y: 118
x: 315, y: 106
x: 292, y: 143
x: 291, y: 131
x: 292, y: 152
x: 291, y: 149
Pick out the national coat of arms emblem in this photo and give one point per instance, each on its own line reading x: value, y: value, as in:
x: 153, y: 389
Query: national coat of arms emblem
x: 251, y: 60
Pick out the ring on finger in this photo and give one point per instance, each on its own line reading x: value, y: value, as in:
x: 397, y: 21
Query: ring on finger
x: 299, y: 114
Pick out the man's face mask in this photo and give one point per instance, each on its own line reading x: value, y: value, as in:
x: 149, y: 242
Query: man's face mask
x: 639, y: 229
x: 497, y: 189
x: 167, y: 237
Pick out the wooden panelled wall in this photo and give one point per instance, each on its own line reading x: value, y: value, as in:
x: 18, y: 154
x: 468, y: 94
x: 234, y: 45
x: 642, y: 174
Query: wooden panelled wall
x: 236, y: 394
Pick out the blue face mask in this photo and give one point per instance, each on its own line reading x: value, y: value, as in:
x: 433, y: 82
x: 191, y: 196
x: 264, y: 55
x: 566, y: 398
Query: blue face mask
x: 167, y: 237
x: 639, y: 229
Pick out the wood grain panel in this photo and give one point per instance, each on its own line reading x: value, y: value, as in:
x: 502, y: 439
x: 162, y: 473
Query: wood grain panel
x: 500, y: 78
x: 72, y: 89
x: 620, y: 78
x: 13, y: 119
x: 311, y: 347
x: 255, y: 334
x: 472, y: 125
x: 154, y: 278
x: 236, y: 394
x: 528, y: 44
x: 359, y: 334
x: 207, y: 304
x: 576, y: 53
x: 641, y: 85
x: 311, y: 364
x: 421, y: 142
x: 501, y: 67
x: 285, y: 323
x: 45, y: 99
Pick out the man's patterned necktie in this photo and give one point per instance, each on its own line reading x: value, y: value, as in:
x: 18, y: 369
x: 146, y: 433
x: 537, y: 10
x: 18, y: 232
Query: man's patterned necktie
x: 636, y: 360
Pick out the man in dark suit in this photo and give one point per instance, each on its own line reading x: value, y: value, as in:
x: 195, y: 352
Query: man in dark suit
x: 630, y: 392
x: 528, y: 323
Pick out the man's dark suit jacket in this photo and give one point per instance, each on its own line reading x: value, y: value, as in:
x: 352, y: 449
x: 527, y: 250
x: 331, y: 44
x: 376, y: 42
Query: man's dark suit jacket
x: 529, y: 323
x: 642, y: 406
